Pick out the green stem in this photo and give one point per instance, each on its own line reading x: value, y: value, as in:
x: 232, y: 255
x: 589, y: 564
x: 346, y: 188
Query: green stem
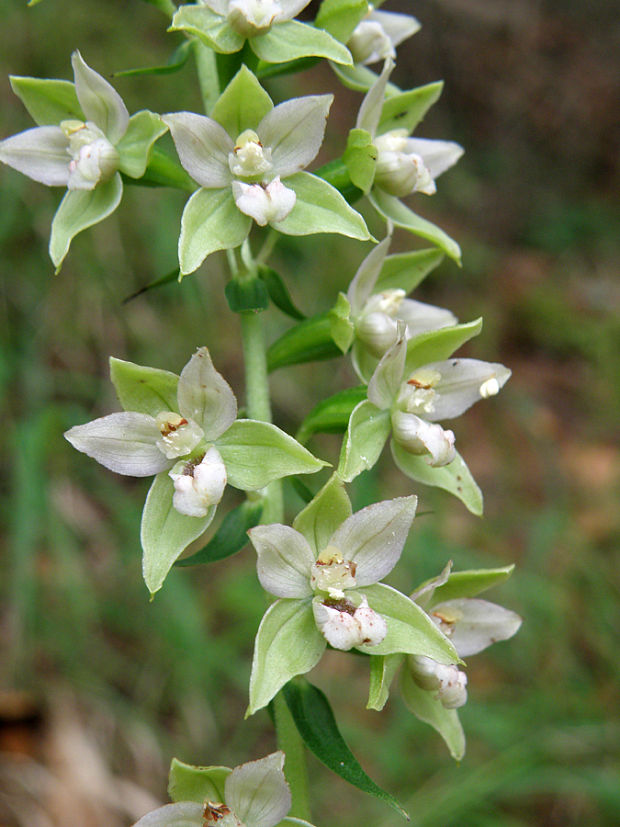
x: 289, y: 741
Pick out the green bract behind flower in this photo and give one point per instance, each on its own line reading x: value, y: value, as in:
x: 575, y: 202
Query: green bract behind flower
x: 267, y: 25
x: 84, y: 141
x: 248, y: 160
x: 185, y: 431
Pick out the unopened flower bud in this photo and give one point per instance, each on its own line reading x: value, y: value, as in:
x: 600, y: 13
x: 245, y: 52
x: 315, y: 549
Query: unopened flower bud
x: 93, y: 157
x: 378, y: 332
x: 369, y: 43
x: 198, y: 487
x: 417, y: 436
x: 251, y: 17
x: 447, y: 679
x: 399, y: 170
x: 264, y: 204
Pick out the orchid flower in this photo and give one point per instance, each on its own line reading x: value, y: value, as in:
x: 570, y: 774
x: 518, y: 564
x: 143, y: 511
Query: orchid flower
x: 248, y: 161
x: 266, y: 25
x: 376, y: 37
x: 433, y: 691
x: 328, y: 591
x: 84, y: 142
x: 255, y: 794
x: 185, y: 431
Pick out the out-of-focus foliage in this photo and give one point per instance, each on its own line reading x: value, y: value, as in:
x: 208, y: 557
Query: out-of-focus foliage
x: 127, y: 683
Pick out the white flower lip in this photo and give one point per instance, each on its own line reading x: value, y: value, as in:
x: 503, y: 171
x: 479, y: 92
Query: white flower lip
x: 198, y: 486
x: 345, y: 625
x: 266, y: 205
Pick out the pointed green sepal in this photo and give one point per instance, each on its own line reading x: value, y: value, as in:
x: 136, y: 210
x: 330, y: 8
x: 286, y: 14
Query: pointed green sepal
x: 48, y: 101
x: 287, y: 644
x: 383, y: 668
x: 175, y: 63
x: 406, y: 110
x: 144, y: 389
x: 429, y: 709
x: 212, y: 29
x: 405, y: 271
x: 80, y: 209
x: 455, y: 478
x: 367, y: 433
x: 324, y: 514
x: 470, y: 583
x: 341, y: 326
x: 438, y: 345
x: 392, y: 208
x: 165, y: 533
x: 291, y: 40
x: 340, y: 17
x: 257, y: 453
x: 242, y: 104
x: 189, y: 783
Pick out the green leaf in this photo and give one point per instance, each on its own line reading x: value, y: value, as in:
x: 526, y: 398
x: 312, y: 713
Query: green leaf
x: 382, y: 671
x: 336, y: 174
x: 455, y: 478
x: 301, y: 489
x: 429, y: 709
x: 173, y: 275
x: 470, y: 583
x: 230, y: 537
x: 360, y: 157
x: 288, y: 643
x: 80, y: 209
x: 278, y: 292
x: 210, y: 222
x: 322, y: 516
x: 438, y: 345
x: 367, y: 433
x: 332, y: 414
x: 136, y: 144
x: 317, y: 726
x: 176, y: 61
x: 165, y: 533
x: 340, y: 17
x: 406, y: 110
x: 47, y: 101
x: 405, y: 271
x: 189, y: 783
x: 361, y: 78
x: 163, y: 171
x: 242, y: 104
x: 143, y: 389
x: 246, y: 294
x: 341, y: 326
x: 308, y: 341
x: 320, y: 208
x: 212, y: 29
x: 291, y: 39
x: 390, y: 207
x: 409, y: 629
x: 257, y: 453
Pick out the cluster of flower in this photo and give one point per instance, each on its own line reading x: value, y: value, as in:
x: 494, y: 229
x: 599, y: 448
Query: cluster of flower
x: 248, y: 160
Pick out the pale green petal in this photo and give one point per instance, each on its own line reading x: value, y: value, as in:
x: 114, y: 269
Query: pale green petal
x: 40, y: 153
x: 205, y: 396
x: 182, y: 814
x: 257, y: 792
x: 80, y: 209
x: 284, y: 560
x: 47, y: 101
x: 429, y: 709
x: 367, y: 433
x: 211, y: 28
x: 203, y: 146
x: 324, y: 513
x: 100, y: 102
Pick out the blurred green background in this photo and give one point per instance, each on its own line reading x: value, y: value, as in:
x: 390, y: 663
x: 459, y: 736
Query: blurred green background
x: 99, y: 687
